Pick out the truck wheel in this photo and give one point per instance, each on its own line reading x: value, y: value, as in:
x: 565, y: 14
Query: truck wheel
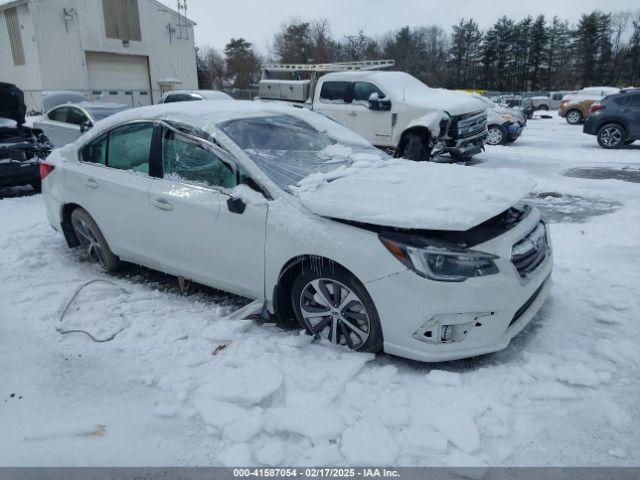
x: 611, y: 135
x: 543, y: 107
x: 496, y: 135
x: 574, y: 117
x: 416, y: 147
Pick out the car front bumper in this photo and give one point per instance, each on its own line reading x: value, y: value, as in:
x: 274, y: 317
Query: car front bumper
x: 490, y: 310
x: 466, y: 146
x: 514, y: 130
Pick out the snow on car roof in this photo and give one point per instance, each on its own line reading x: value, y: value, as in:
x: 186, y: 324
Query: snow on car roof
x: 206, y: 115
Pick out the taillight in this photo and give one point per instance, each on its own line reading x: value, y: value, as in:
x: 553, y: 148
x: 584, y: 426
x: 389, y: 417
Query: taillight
x: 597, y: 106
x: 45, y: 169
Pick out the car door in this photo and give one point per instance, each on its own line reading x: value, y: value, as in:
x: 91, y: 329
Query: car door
x: 374, y: 125
x: 332, y: 100
x: 78, y: 121
x: 111, y: 181
x: 197, y: 235
x: 54, y: 125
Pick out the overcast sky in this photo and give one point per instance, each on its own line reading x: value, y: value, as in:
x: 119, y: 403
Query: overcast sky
x: 257, y: 20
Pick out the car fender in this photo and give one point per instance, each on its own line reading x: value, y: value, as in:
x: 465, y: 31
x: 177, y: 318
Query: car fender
x: 430, y: 121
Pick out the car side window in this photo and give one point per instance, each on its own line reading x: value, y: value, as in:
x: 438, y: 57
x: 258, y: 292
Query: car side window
x: 635, y: 100
x: 557, y: 96
x: 58, y: 114
x: 184, y: 159
x: 334, y: 92
x: 76, y: 116
x: 362, y: 92
x: 96, y: 151
x: 129, y: 147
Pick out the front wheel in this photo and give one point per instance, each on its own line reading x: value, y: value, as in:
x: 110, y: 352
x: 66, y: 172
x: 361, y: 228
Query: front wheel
x: 496, y: 135
x: 611, y: 135
x: 332, y: 304
x: 574, y: 117
x: 416, y: 147
x: 92, y: 240
x: 543, y: 107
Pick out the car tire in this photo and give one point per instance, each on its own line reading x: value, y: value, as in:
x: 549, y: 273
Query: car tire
x: 611, y: 135
x: 496, y: 135
x: 543, y: 107
x: 416, y: 147
x: 91, y: 239
x: 315, y: 291
x: 574, y: 117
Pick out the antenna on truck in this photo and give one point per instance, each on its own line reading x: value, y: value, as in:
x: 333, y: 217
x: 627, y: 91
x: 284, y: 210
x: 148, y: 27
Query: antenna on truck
x: 317, y: 69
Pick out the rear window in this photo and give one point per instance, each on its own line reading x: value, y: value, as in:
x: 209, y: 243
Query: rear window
x: 334, y: 92
x: 182, y: 97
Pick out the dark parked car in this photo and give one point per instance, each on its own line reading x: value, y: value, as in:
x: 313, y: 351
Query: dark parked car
x: 21, y: 147
x: 615, y: 119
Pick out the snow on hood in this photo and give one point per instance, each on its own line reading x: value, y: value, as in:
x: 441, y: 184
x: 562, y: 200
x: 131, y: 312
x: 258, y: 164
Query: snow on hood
x: 404, y: 194
x: 416, y: 94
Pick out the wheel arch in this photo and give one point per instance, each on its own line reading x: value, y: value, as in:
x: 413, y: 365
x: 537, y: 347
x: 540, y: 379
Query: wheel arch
x: 421, y: 130
x: 65, y: 223
x: 283, y: 310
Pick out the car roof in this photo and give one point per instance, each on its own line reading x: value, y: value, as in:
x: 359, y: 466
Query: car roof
x: 203, y: 115
x: 206, y: 94
x: 361, y: 75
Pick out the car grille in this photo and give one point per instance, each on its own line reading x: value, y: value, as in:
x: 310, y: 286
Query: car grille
x: 466, y: 126
x: 529, y: 252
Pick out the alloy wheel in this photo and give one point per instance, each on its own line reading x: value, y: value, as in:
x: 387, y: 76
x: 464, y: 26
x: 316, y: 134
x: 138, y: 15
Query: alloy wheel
x: 88, y: 241
x: 333, y: 311
x: 494, y: 136
x: 611, y: 136
x: 574, y: 117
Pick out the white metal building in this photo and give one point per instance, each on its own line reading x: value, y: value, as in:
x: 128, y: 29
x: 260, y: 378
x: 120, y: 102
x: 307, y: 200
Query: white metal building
x: 127, y: 51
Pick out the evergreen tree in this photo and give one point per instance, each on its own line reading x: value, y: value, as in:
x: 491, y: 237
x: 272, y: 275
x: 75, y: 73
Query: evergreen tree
x: 243, y: 65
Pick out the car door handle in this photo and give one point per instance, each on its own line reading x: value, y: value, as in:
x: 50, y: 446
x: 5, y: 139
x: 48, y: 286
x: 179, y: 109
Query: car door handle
x: 352, y: 113
x: 90, y: 183
x: 162, y: 205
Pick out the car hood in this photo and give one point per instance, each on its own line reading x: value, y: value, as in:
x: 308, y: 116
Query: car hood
x: 412, y: 195
x: 12, y: 104
x: 454, y: 103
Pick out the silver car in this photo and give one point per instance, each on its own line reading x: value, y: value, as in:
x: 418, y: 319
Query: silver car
x: 65, y: 123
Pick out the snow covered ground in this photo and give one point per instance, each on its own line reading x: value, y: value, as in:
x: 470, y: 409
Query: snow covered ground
x: 180, y: 385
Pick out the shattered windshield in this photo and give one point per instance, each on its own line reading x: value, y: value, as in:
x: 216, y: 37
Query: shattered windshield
x: 289, y: 149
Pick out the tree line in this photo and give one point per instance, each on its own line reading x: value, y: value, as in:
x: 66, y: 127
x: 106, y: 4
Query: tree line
x: 512, y: 55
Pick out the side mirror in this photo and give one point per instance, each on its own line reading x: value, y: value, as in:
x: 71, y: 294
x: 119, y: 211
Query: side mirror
x: 84, y: 126
x: 236, y: 205
x: 377, y: 103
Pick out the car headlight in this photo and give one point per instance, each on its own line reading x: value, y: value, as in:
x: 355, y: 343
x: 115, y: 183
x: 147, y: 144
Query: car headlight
x: 508, y: 117
x: 439, y: 261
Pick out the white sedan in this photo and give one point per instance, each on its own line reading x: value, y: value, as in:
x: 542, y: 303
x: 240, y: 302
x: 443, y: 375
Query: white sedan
x: 65, y: 123
x: 427, y: 261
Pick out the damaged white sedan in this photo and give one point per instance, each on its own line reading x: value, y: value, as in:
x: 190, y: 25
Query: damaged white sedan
x: 427, y: 261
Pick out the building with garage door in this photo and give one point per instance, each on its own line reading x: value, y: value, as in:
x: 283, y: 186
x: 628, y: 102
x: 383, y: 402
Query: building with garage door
x: 125, y: 51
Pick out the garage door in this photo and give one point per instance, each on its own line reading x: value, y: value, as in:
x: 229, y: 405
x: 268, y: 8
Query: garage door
x: 119, y: 78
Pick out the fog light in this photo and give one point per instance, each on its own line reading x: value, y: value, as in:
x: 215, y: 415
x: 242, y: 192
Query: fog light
x: 447, y: 333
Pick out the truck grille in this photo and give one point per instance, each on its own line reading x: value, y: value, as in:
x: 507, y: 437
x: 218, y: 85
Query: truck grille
x: 465, y: 126
x: 529, y: 252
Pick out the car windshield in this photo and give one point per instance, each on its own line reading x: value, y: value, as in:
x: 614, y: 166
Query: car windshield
x: 289, y: 149
x: 99, y: 113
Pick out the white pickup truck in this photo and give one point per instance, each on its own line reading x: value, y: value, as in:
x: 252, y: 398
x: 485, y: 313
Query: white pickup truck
x: 393, y: 110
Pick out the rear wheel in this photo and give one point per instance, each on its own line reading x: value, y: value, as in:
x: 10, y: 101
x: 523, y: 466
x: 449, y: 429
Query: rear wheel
x: 496, y: 135
x: 92, y: 240
x: 416, y: 147
x: 543, y: 107
x: 574, y: 117
x: 331, y: 303
x: 611, y: 135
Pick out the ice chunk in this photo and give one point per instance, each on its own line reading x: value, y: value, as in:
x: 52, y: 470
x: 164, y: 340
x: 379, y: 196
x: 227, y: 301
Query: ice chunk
x: 271, y: 454
x: 368, y: 443
x: 237, y: 455
x: 315, y: 423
